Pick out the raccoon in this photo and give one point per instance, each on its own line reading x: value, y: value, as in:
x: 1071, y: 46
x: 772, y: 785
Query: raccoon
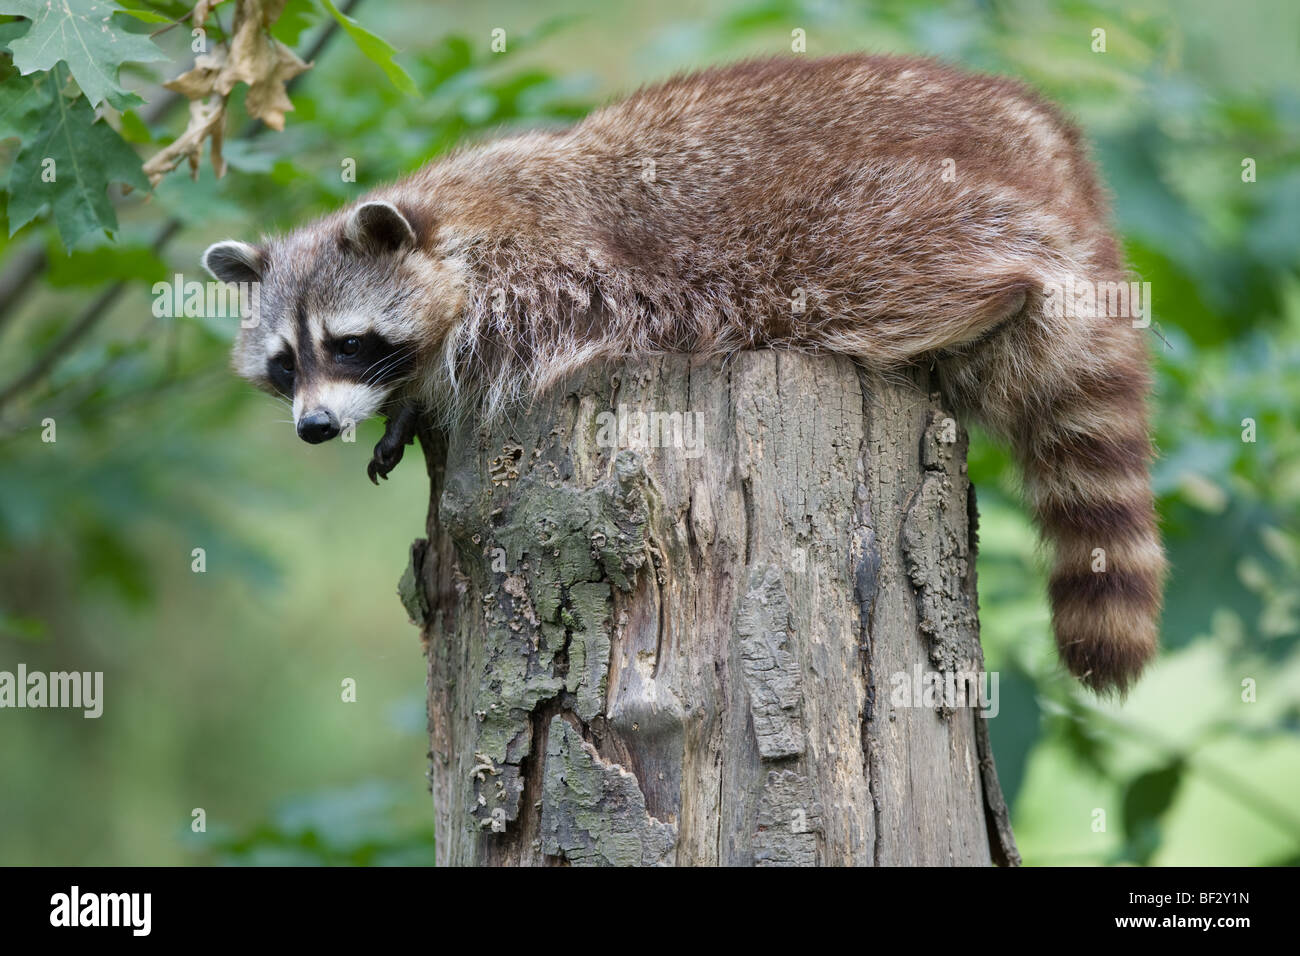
x: 921, y: 214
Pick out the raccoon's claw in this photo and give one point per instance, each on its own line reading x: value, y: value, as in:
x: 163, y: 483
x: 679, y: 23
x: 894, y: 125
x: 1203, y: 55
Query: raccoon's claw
x: 375, y: 469
x: 399, y: 432
x: 387, y: 455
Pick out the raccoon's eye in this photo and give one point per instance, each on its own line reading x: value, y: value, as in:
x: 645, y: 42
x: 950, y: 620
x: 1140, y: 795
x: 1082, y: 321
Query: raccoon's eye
x: 285, y: 363
x: 350, y: 345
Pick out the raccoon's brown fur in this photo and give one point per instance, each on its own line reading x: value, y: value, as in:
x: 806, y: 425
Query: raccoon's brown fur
x: 919, y: 213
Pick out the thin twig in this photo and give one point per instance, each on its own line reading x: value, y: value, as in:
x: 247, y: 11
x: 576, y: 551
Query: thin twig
x: 25, y: 266
x: 171, y: 26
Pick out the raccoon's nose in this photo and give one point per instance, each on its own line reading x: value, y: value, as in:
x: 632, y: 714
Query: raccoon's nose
x: 317, y: 426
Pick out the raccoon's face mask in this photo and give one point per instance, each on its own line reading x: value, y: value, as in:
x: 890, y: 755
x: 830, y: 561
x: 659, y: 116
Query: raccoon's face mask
x: 332, y: 328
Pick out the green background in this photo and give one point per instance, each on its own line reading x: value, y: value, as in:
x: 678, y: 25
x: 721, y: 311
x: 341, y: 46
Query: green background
x: 223, y: 688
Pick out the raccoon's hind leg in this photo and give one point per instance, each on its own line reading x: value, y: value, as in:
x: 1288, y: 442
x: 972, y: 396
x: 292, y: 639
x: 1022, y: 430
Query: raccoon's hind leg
x: 398, y: 433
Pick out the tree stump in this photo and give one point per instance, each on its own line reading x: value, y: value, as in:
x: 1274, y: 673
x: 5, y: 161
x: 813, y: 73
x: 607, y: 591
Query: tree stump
x: 683, y: 611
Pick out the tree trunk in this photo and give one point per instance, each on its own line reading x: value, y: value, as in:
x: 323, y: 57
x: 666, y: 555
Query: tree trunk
x: 705, y: 636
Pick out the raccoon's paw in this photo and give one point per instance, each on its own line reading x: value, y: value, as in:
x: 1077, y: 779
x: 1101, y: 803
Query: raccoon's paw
x: 398, y: 433
x: 387, y: 455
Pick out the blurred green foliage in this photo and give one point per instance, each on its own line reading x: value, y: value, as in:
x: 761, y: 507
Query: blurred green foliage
x: 360, y: 825
x: 222, y: 688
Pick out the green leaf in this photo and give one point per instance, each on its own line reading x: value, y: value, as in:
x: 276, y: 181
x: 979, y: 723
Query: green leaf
x: 1146, y: 800
x: 146, y: 15
x: 23, y: 100
x: 134, y: 129
x: 376, y: 48
x: 81, y: 34
x: 86, y: 156
x: 12, y: 31
x: 297, y: 17
x: 172, y: 11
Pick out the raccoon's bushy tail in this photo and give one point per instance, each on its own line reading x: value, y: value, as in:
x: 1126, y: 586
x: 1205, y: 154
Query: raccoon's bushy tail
x: 1069, y: 394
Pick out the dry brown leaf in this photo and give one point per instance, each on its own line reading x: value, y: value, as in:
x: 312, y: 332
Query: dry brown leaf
x: 267, y: 98
x: 200, y: 82
x: 207, y: 121
x: 253, y: 58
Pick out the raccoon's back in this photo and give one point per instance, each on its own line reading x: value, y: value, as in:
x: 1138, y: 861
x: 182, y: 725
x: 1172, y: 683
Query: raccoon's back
x: 756, y: 120
x: 866, y: 182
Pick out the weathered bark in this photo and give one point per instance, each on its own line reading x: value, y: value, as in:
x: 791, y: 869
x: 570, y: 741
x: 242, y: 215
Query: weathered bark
x: 645, y: 655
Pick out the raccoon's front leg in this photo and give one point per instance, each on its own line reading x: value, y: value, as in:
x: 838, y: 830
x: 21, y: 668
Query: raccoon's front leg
x: 398, y: 433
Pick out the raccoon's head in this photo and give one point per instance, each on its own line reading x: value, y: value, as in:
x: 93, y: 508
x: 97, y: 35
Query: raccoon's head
x: 345, y: 311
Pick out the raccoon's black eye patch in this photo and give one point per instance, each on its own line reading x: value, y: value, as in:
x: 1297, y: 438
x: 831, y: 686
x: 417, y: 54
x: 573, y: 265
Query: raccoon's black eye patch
x: 369, y: 358
x: 280, y: 372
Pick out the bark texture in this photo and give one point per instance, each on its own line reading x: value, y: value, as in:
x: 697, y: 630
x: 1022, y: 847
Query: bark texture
x: 682, y: 640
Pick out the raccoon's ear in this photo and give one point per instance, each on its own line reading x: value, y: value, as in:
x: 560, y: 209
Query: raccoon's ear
x: 232, y: 261
x: 379, y: 226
